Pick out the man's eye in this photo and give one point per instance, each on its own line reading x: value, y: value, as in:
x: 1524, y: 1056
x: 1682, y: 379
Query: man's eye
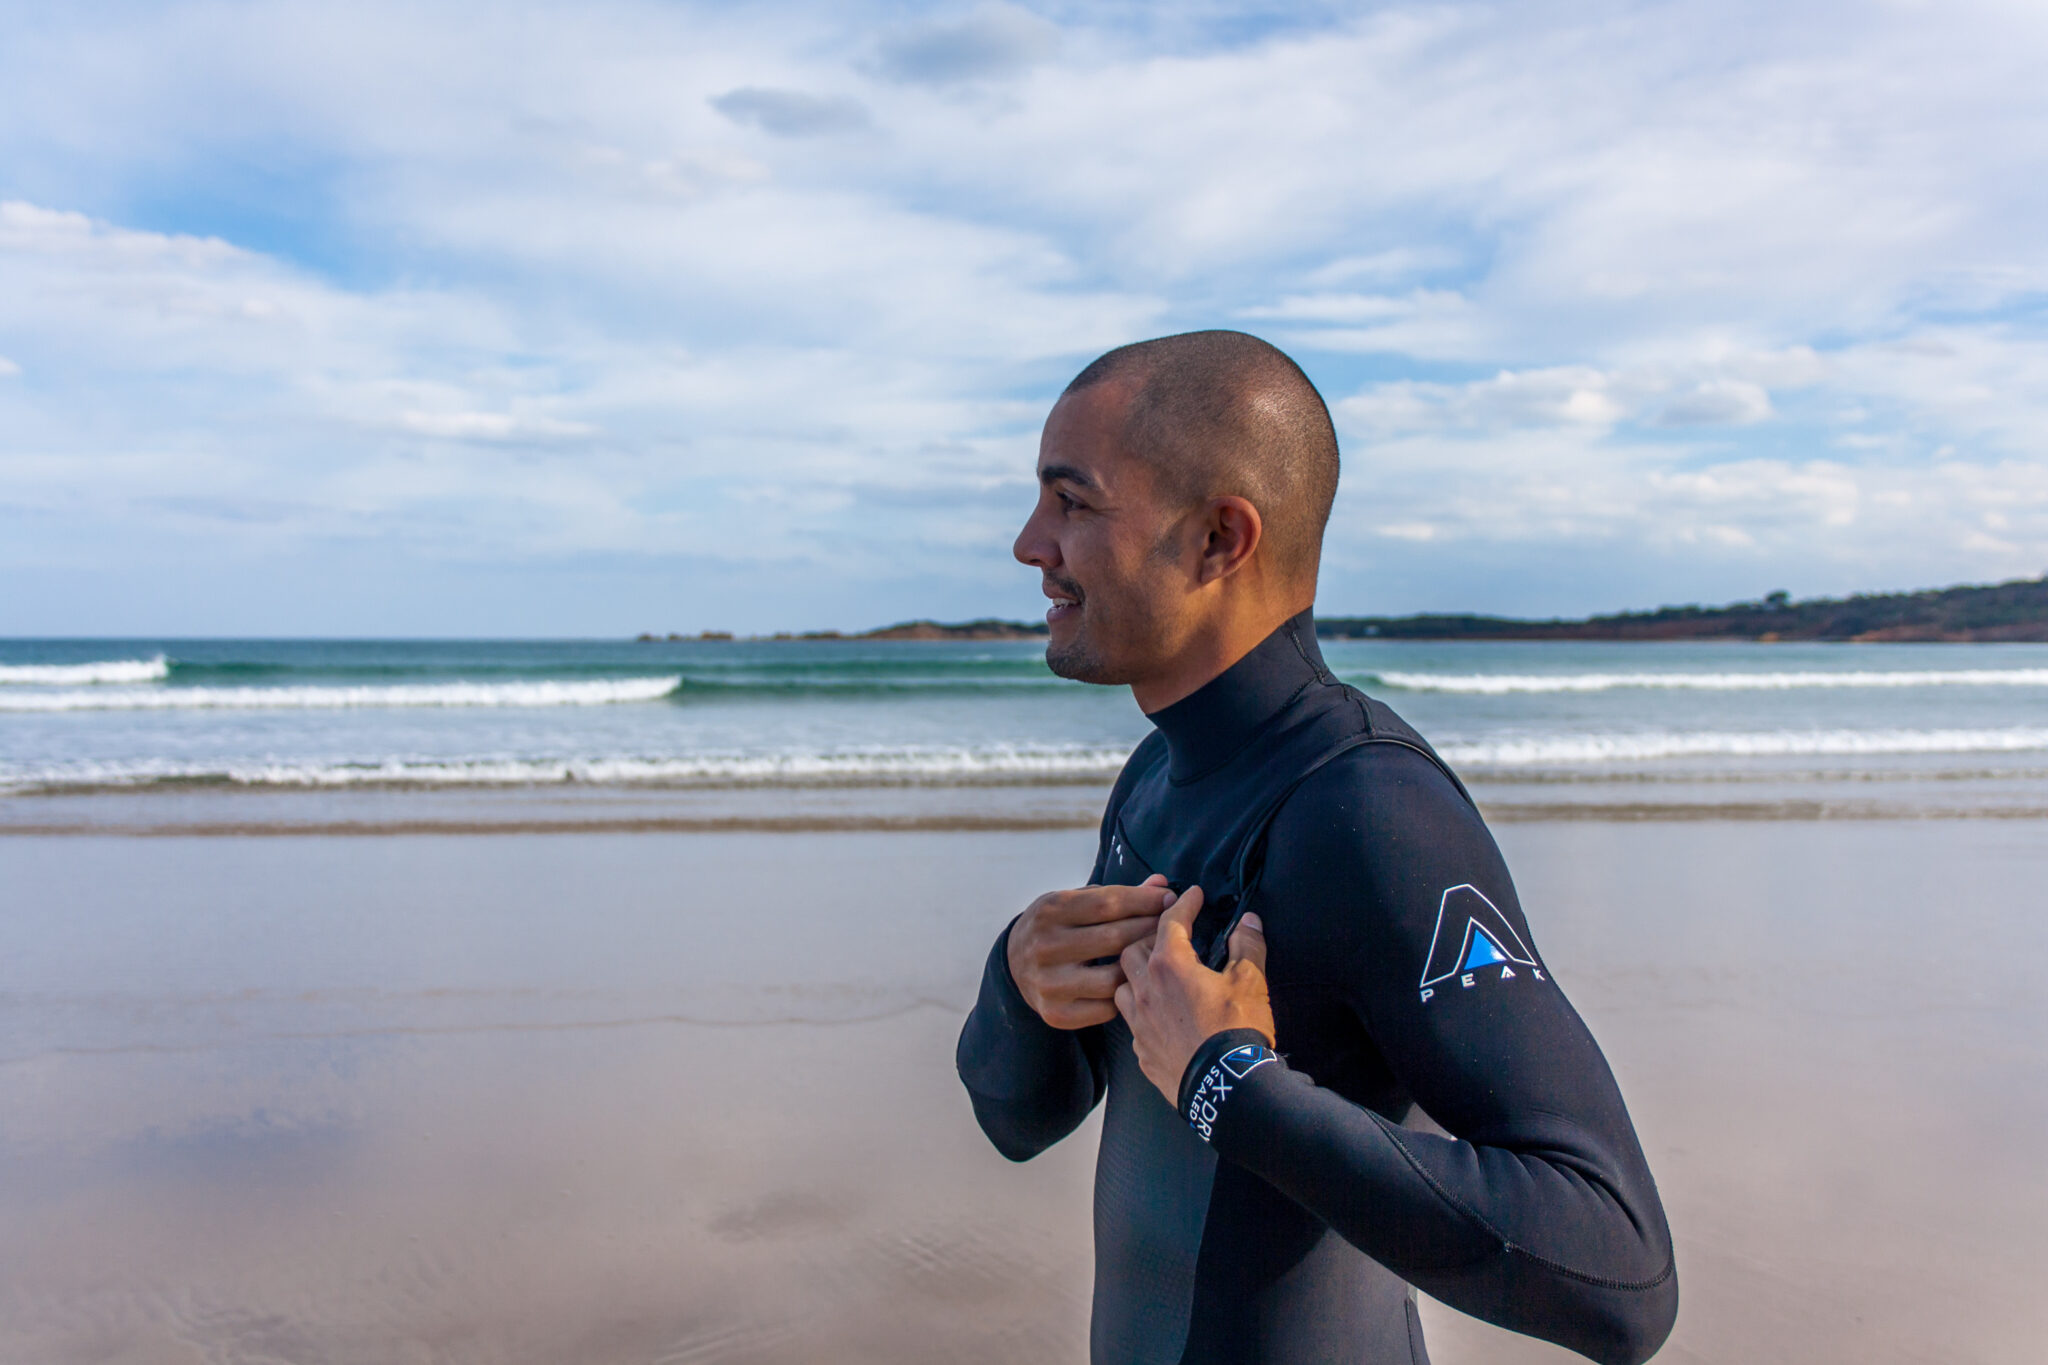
x: 1067, y: 502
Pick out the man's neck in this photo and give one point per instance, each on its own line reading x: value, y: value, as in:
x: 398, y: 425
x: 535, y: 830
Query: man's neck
x: 1209, y: 654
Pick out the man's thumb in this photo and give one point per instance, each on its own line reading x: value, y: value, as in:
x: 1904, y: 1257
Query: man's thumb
x: 1248, y: 942
x: 1179, y: 918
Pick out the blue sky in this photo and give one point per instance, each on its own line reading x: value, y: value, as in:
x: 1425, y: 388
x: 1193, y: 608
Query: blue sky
x: 550, y: 319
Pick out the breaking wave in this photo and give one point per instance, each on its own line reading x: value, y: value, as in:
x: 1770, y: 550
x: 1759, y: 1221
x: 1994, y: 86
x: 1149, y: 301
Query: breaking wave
x: 1644, y: 746
x: 595, y: 692
x: 1496, y: 684
x: 995, y: 764
x: 1001, y: 763
x: 99, y: 672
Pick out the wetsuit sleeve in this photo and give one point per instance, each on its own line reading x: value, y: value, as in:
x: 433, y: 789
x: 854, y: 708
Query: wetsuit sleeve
x: 1539, y: 1213
x: 1030, y: 1083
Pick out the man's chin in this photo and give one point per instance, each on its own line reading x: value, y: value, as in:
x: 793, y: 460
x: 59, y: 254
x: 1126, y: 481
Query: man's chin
x: 1068, y: 654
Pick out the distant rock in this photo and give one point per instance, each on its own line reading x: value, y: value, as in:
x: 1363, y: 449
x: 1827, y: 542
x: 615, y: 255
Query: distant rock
x: 648, y: 637
x: 2006, y: 611
x: 988, y: 628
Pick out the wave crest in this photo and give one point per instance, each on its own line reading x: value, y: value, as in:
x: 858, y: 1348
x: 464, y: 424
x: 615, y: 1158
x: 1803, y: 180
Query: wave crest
x: 98, y: 672
x: 595, y: 692
x: 1496, y: 684
x: 937, y: 765
x: 1649, y: 745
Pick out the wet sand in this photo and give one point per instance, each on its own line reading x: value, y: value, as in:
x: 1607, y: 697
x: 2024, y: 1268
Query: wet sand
x: 688, y: 1096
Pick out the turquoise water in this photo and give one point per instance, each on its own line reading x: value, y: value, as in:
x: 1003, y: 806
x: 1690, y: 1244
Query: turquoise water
x: 127, y: 713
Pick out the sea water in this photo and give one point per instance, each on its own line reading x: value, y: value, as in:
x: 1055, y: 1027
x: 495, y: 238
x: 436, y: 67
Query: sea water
x: 1954, y: 723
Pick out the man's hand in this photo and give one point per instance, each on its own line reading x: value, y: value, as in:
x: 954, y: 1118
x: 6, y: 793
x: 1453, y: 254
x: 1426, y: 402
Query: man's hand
x: 1054, y: 941
x: 1174, y: 1004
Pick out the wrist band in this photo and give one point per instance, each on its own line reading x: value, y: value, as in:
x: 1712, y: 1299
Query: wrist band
x: 1214, y: 1071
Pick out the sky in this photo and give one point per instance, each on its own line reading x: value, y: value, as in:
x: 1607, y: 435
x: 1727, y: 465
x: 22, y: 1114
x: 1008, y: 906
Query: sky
x: 518, y: 319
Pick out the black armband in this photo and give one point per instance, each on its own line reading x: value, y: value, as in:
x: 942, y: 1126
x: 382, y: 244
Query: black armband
x: 1215, y: 1069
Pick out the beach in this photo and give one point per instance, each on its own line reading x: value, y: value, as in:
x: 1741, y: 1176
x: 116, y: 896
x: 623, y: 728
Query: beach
x: 689, y: 1096
x: 594, y: 1002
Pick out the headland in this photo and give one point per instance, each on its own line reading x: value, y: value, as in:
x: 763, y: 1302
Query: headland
x: 2011, y: 611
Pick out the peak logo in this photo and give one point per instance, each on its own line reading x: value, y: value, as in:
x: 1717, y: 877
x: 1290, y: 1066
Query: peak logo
x: 1471, y: 935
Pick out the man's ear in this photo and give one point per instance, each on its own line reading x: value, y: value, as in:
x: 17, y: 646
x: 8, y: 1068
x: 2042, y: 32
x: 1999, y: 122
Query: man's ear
x: 1234, y: 532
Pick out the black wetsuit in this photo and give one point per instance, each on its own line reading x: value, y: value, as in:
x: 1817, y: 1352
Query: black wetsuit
x: 1276, y: 1214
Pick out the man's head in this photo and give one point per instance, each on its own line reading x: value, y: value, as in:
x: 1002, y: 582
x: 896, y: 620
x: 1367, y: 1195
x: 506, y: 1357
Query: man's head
x: 1184, y: 484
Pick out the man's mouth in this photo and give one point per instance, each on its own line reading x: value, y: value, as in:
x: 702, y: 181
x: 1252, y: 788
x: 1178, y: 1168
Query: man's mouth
x: 1065, y: 605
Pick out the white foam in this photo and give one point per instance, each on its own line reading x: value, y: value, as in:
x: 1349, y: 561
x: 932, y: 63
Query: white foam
x: 1000, y: 762
x: 98, y: 672
x: 1494, y: 684
x: 1644, y: 746
x: 594, y: 692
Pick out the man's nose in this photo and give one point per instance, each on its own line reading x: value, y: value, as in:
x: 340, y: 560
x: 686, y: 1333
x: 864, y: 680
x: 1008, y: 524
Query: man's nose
x: 1034, y: 546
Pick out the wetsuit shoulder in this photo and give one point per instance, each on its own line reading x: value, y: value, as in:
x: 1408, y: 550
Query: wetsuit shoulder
x: 1382, y: 883
x: 1365, y: 838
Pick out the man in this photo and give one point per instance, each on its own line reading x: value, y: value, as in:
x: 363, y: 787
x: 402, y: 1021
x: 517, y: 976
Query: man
x: 1285, y: 865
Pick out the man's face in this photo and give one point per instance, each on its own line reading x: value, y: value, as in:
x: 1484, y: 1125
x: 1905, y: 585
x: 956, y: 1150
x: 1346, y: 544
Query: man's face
x: 1107, y: 543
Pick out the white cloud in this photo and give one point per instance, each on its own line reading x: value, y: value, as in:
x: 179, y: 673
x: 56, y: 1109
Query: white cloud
x: 793, y: 285
x: 489, y: 426
x: 1706, y: 394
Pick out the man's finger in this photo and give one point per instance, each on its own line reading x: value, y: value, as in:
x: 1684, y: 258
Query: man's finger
x: 1248, y: 942
x: 1107, y: 940
x: 1089, y: 983
x: 1066, y: 944
x: 1179, y: 919
x: 1126, y: 999
x: 1105, y: 904
x: 1135, y: 959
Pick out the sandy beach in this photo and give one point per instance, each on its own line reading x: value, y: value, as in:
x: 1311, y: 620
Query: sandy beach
x: 658, y: 1097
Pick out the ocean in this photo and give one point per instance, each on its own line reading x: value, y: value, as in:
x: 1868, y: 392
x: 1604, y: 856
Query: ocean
x: 1664, y: 728
x: 348, y: 1067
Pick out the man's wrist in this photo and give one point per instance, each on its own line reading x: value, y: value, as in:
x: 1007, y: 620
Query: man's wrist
x: 1214, y: 1072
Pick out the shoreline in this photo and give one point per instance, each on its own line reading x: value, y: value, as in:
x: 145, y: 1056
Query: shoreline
x: 1495, y: 813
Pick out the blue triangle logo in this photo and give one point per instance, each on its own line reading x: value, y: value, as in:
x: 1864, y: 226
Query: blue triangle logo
x: 1485, y: 952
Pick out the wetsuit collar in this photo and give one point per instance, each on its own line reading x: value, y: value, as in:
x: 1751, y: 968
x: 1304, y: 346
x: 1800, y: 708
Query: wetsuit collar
x: 1210, y: 725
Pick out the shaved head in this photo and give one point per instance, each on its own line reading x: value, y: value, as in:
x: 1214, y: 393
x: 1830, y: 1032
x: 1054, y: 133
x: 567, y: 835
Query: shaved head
x: 1224, y: 414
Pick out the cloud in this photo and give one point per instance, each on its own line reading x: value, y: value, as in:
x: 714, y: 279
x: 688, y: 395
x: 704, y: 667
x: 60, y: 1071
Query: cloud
x: 1716, y: 392
x: 488, y: 426
x: 994, y: 42
x: 499, y: 297
x: 792, y: 113
x: 1437, y: 324
x: 1717, y: 402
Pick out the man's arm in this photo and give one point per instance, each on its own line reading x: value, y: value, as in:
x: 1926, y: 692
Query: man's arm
x: 1539, y: 1214
x: 1030, y: 1054
x: 1030, y: 1083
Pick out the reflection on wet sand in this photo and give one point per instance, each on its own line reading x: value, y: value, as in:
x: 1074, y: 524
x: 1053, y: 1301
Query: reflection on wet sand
x: 689, y: 1097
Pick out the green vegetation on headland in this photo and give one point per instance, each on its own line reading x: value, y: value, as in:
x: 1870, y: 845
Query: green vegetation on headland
x: 2007, y: 611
